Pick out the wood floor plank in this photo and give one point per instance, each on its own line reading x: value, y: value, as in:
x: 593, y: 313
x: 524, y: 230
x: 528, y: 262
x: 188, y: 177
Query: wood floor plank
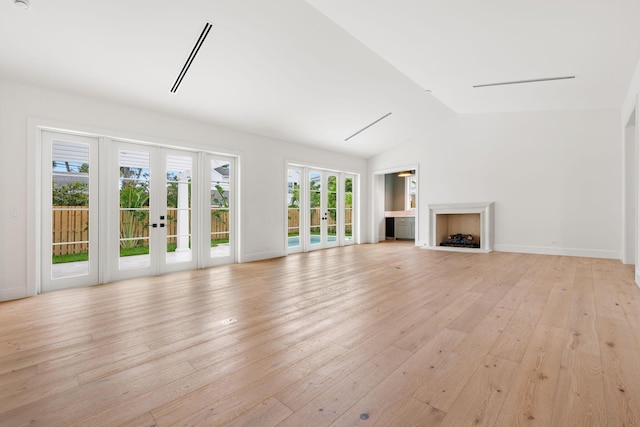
x: 621, y: 386
x: 266, y: 414
x: 391, y: 394
x: 237, y: 402
x: 580, y: 395
x: 385, y: 334
x: 309, y: 387
x: 481, y: 400
x: 533, y: 390
x: 331, y: 404
x: 555, y: 313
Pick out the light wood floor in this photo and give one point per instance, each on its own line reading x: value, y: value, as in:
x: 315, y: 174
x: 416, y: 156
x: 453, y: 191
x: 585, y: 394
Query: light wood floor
x: 383, y: 334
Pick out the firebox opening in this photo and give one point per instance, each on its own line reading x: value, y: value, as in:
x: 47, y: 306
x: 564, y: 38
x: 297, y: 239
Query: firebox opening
x: 458, y: 230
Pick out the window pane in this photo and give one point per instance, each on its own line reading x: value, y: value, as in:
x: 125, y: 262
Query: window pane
x: 178, y: 208
x: 220, y: 218
x: 294, y: 177
x: 348, y: 208
x: 134, y: 209
x: 70, y: 209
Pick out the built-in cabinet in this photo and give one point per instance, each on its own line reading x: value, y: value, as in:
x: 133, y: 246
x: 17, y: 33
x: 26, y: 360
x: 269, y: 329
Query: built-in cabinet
x: 405, y: 227
x: 400, y: 225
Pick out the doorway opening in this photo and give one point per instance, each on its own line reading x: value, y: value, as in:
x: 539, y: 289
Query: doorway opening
x: 630, y: 235
x: 395, y: 204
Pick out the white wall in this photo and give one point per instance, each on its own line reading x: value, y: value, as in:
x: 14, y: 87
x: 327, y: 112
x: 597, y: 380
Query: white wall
x: 263, y: 162
x: 554, y: 177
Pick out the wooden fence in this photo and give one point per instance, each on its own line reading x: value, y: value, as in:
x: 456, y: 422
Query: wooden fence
x: 70, y: 224
x: 294, y: 220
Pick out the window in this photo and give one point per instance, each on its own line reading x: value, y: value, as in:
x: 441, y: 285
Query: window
x: 411, y: 189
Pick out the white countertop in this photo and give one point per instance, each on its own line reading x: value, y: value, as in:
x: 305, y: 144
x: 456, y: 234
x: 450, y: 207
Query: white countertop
x: 397, y: 214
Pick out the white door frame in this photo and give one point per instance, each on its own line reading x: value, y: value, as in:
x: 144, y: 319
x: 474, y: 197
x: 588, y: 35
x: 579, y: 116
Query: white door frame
x: 377, y: 204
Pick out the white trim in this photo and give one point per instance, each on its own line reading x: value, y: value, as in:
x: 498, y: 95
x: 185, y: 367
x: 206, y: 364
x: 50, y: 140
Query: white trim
x: 626, y: 256
x: 543, y: 250
x: 14, y: 293
x: 263, y: 255
x: 34, y: 211
x: 124, y: 136
x: 376, y: 204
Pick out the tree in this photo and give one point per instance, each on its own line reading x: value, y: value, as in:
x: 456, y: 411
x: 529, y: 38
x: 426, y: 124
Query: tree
x: 71, y: 194
x: 220, y: 200
x: 295, y: 196
x: 135, y: 217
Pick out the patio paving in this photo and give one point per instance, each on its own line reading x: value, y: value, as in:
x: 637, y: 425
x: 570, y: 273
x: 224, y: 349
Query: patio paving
x: 81, y: 268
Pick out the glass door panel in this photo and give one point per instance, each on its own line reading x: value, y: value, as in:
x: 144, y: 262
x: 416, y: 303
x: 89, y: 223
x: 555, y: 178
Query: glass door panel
x: 219, y: 218
x: 323, y: 210
x: 134, y: 185
x: 178, y: 209
x: 155, y: 215
x: 348, y: 209
x: 331, y: 210
x: 315, y: 209
x: 69, y: 215
x: 294, y: 220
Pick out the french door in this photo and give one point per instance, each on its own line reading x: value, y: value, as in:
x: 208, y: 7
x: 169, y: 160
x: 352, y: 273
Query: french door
x: 323, y: 210
x: 320, y: 211
x: 156, y: 210
x: 114, y: 210
x: 218, y: 219
x: 70, y: 213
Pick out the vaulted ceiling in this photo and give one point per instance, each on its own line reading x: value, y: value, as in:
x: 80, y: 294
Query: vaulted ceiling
x: 316, y: 72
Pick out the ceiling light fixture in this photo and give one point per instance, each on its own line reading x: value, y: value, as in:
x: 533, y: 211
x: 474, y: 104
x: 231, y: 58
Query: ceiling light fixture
x: 516, y: 82
x: 22, y: 4
x: 405, y: 173
x: 368, y: 126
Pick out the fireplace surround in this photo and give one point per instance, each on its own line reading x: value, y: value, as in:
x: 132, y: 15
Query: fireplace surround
x: 449, y: 219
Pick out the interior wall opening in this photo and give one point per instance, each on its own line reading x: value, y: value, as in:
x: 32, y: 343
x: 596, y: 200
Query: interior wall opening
x: 395, y: 204
x: 630, y: 238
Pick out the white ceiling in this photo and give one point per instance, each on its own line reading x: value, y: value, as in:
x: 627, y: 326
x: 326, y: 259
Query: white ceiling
x: 450, y: 46
x: 283, y: 69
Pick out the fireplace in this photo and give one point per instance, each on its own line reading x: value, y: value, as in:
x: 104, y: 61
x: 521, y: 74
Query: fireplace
x: 464, y: 227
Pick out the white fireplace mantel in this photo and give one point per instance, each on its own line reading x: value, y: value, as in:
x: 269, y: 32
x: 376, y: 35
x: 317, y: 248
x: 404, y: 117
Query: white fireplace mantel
x: 485, y: 209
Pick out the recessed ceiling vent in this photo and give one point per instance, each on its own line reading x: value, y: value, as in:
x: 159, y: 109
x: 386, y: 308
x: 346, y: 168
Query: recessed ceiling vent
x: 368, y: 126
x: 194, y: 52
x: 517, y: 82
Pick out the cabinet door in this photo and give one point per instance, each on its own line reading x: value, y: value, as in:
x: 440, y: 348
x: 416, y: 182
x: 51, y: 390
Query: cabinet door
x: 402, y: 228
x: 405, y: 228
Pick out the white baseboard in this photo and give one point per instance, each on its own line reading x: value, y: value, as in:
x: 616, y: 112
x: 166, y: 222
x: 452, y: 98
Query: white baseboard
x: 13, y: 293
x: 262, y: 255
x: 542, y: 250
x: 638, y: 277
